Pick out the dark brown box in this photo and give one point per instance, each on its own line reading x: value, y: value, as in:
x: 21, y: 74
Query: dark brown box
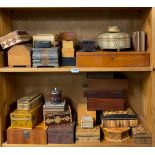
x: 61, y: 133
x: 105, y: 104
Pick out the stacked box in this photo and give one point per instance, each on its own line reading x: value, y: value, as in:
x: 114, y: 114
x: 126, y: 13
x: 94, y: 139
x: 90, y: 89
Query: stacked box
x: 88, y: 135
x: 24, y: 127
x: 68, y: 52
x: 58, y: 117
x: 45, y: 57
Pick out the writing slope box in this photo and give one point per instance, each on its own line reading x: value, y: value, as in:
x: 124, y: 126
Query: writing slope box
x: 105, y: 104
x: 30, y: 101
x: 112, y: 59
x: 37, y: 135
x: 88, y: 135
x: 113, y: 119
x: 14, y: 38
x: 62, y: 133
x: 26, y: 119
x: 141, y: 135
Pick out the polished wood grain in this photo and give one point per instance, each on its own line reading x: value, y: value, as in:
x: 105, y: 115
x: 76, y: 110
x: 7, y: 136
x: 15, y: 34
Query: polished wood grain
x: 112, y: 59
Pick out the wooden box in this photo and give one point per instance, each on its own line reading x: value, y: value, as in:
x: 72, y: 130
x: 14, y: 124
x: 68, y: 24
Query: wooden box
x: 67, y: 44
x: 26, y: 119
x: 19, y: 55
x: 62, y: 133
x: 88, y: 135
x: 36, y: 135
x: 14, y: 38
x: 114, y: 119
x: 67, y: 52
x: 58, y: 117
x: 83, y: 112
x: 116, y: 134
x: 87, y: 122
x: 141, y: 135
x: 29, y: 102
x: 112, y: 59
x: 105, y: 104
x: 67, y: 61
x: 51, y: 107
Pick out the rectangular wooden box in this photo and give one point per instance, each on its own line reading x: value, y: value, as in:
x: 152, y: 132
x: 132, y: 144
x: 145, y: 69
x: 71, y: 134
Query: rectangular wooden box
x: 59, y: 117
x: 67, y: 44
x: 112, y: 59
x: 107, y: 84
x: 88, y: 135
x: 105, y: 104
x: 114, y: 119
x: 26, y: 119
x: 14, y: 38
x: 36, y: 135
x: 83, y: 112
x: 29, y: 102
x: 87, y: 122
x: 67, y: 52
x: 62, y: 133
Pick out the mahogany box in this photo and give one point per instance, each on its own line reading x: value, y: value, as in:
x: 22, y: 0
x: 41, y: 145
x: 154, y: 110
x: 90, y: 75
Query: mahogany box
x: 36, y: 135
x: 62, y: 133
x: 105, y: 104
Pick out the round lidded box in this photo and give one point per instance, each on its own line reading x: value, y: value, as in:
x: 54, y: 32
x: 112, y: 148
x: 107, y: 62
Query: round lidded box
x: 114, y: 39
x: 56, y: 96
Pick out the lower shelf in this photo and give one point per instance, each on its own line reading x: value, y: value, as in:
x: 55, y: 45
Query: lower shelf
x: 128, y: 143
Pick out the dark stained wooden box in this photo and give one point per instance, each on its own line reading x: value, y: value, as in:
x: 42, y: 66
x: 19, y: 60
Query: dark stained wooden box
x: 61, y: 133
x: 105, y: 104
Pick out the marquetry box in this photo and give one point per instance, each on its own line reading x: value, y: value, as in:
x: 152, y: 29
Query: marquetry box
x: 28, y: 102
x: 26, y: 119
x: 87, y: 122
x: 116, y: 134
x: 112, y: 59
x: 14, y: 38
x: 62, y: 133
x: 88, y: 135
x: 19, y: 55
x: 37, y: 135
x: 114, y: 119
x: 141, y: 135
x: 57, y: 117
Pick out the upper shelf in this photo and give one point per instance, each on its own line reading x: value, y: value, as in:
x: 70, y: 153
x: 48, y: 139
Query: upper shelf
x: 74, y: 69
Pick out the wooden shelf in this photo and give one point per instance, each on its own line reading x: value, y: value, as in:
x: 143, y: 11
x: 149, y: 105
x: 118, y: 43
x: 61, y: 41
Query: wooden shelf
x: 128, y: 143
x: 81, y: 69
